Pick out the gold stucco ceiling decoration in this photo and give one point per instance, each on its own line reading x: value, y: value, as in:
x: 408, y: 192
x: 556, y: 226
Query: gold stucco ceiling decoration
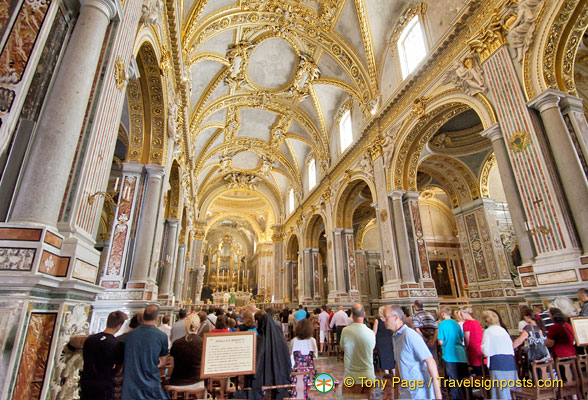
x: 293, y: 60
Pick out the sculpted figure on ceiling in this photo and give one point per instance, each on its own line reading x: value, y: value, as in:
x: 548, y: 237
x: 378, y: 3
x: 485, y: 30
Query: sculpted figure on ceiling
x: 151, y: 12
x: 467, y: 75
x: 365, y: 165
x: 307, y: 72
x: 238, y: 55
x: 388, y: 144
x: 237, y: 180
x: 520, y: 34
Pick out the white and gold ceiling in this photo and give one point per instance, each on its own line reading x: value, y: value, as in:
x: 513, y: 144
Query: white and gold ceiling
x: 269, y: 81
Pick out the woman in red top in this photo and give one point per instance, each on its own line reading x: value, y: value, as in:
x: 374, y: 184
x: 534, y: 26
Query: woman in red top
x: 221, y: 324
x: 560, y: 336
x: 473, y: 335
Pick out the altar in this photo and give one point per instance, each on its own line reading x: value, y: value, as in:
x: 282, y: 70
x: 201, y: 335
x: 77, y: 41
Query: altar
x: 241, y: 298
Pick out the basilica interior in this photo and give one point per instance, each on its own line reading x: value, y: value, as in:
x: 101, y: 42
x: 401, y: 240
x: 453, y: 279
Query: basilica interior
x: 285, y: 152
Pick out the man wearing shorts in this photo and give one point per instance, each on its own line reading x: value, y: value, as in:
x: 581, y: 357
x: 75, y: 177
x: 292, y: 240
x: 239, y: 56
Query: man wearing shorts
x: 324, y: 328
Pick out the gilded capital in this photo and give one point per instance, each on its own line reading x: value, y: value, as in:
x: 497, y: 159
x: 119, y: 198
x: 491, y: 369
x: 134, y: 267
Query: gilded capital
x: 374, y: 148
x: 199, y: 230
x: 489, y: 39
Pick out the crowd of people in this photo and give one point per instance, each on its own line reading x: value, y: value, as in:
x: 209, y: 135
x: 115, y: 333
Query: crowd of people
x: 413, y: 348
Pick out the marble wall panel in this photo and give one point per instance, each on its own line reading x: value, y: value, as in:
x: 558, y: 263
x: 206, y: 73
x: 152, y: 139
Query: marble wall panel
x: 15, y: 259
x: 33, y: 362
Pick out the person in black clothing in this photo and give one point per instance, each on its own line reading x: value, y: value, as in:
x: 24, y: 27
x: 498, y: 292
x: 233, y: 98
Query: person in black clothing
x: 102, y: 354
x: 284, y: 315
x: 273, y: 364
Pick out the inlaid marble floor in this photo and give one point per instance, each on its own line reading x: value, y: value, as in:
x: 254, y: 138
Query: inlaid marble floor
x: 335, y: 368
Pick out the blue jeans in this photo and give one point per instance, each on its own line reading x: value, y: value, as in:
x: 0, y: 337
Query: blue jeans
x: 456, y: 371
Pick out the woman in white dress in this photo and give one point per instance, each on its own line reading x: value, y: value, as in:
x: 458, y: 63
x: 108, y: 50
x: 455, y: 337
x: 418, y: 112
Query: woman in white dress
x: 303, y: 347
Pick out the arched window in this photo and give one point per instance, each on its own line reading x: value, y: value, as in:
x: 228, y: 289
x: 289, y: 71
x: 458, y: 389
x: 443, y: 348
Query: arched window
x: 291, y: 204
x: 311, y: 174
x: 345, y: 131
x: 411, y: 46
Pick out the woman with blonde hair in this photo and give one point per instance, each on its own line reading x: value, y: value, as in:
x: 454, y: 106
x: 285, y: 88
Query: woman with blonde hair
x: 384, y: 343
x: 497, y: 346
x: 187, y: 356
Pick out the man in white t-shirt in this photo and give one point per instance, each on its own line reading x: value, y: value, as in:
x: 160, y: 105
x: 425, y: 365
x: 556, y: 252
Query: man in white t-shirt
x: 340, y: 320
x: 324, y: 328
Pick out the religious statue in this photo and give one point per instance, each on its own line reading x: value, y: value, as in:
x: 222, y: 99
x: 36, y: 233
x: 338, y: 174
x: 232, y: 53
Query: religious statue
x: 520, y: 34
x: 266, y: 165
x: 365, y: 164
x: 467, y: 76
x: 306, y: 73
x: 150, y: 12
x: 172, y: 115
x: 388, y: 145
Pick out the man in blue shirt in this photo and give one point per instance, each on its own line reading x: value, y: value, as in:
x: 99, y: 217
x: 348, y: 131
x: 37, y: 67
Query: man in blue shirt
x: 300, y: 314
x: 145, y: 351
x: 414, y: 361
x: 450, y: 338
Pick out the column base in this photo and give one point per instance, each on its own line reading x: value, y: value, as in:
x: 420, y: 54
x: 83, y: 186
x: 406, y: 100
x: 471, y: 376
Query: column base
x: 553, y: 273
x: 52, y: 308
x: 166, y: 300
x: 42, y: 249
x: 107, y: 304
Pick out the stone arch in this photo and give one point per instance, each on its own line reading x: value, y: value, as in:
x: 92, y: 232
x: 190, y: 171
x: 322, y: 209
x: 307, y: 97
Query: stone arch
x: 489, y: 163
x: 292, y: 247
x: 313, y: 229
x: 345, y: 204
x: 550, y: 62
x: 455, y: 175
x: 207, y: 198
x: 415, y: 135
x: 146, y: 100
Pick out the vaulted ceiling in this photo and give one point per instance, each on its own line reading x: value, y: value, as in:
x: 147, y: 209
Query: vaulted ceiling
x: 268, y: 79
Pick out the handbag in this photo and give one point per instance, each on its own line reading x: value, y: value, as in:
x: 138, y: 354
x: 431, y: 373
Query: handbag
x: 536, y: 344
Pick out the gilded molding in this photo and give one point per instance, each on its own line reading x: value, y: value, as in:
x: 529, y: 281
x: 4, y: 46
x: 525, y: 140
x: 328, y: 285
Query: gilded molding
x: 301, y: 24
x: 562, y: 44
x: 489, y: 39
x: 368, y: 43
x: 419, y: 9
x: 489, y: 163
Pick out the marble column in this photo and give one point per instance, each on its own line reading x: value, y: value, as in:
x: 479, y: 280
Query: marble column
x: 513, y: 198
x: 350, y: 263
x: 120, y: 251
x: 571, y: 173
x: 169, y: 258
x: 295, y: 282
x: 572, y: 108
x: 199, y: 282
x: 46, y: 175
x: 278, y: 263
x: 179, y: 275
x: 316, y: 275
x: 548, y: 216
x: 390, y: 267
x: 143, y: 262
x: 340, y: 266
x: 402, y: 244
x: 419, y: 248
x: 307, y: 275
